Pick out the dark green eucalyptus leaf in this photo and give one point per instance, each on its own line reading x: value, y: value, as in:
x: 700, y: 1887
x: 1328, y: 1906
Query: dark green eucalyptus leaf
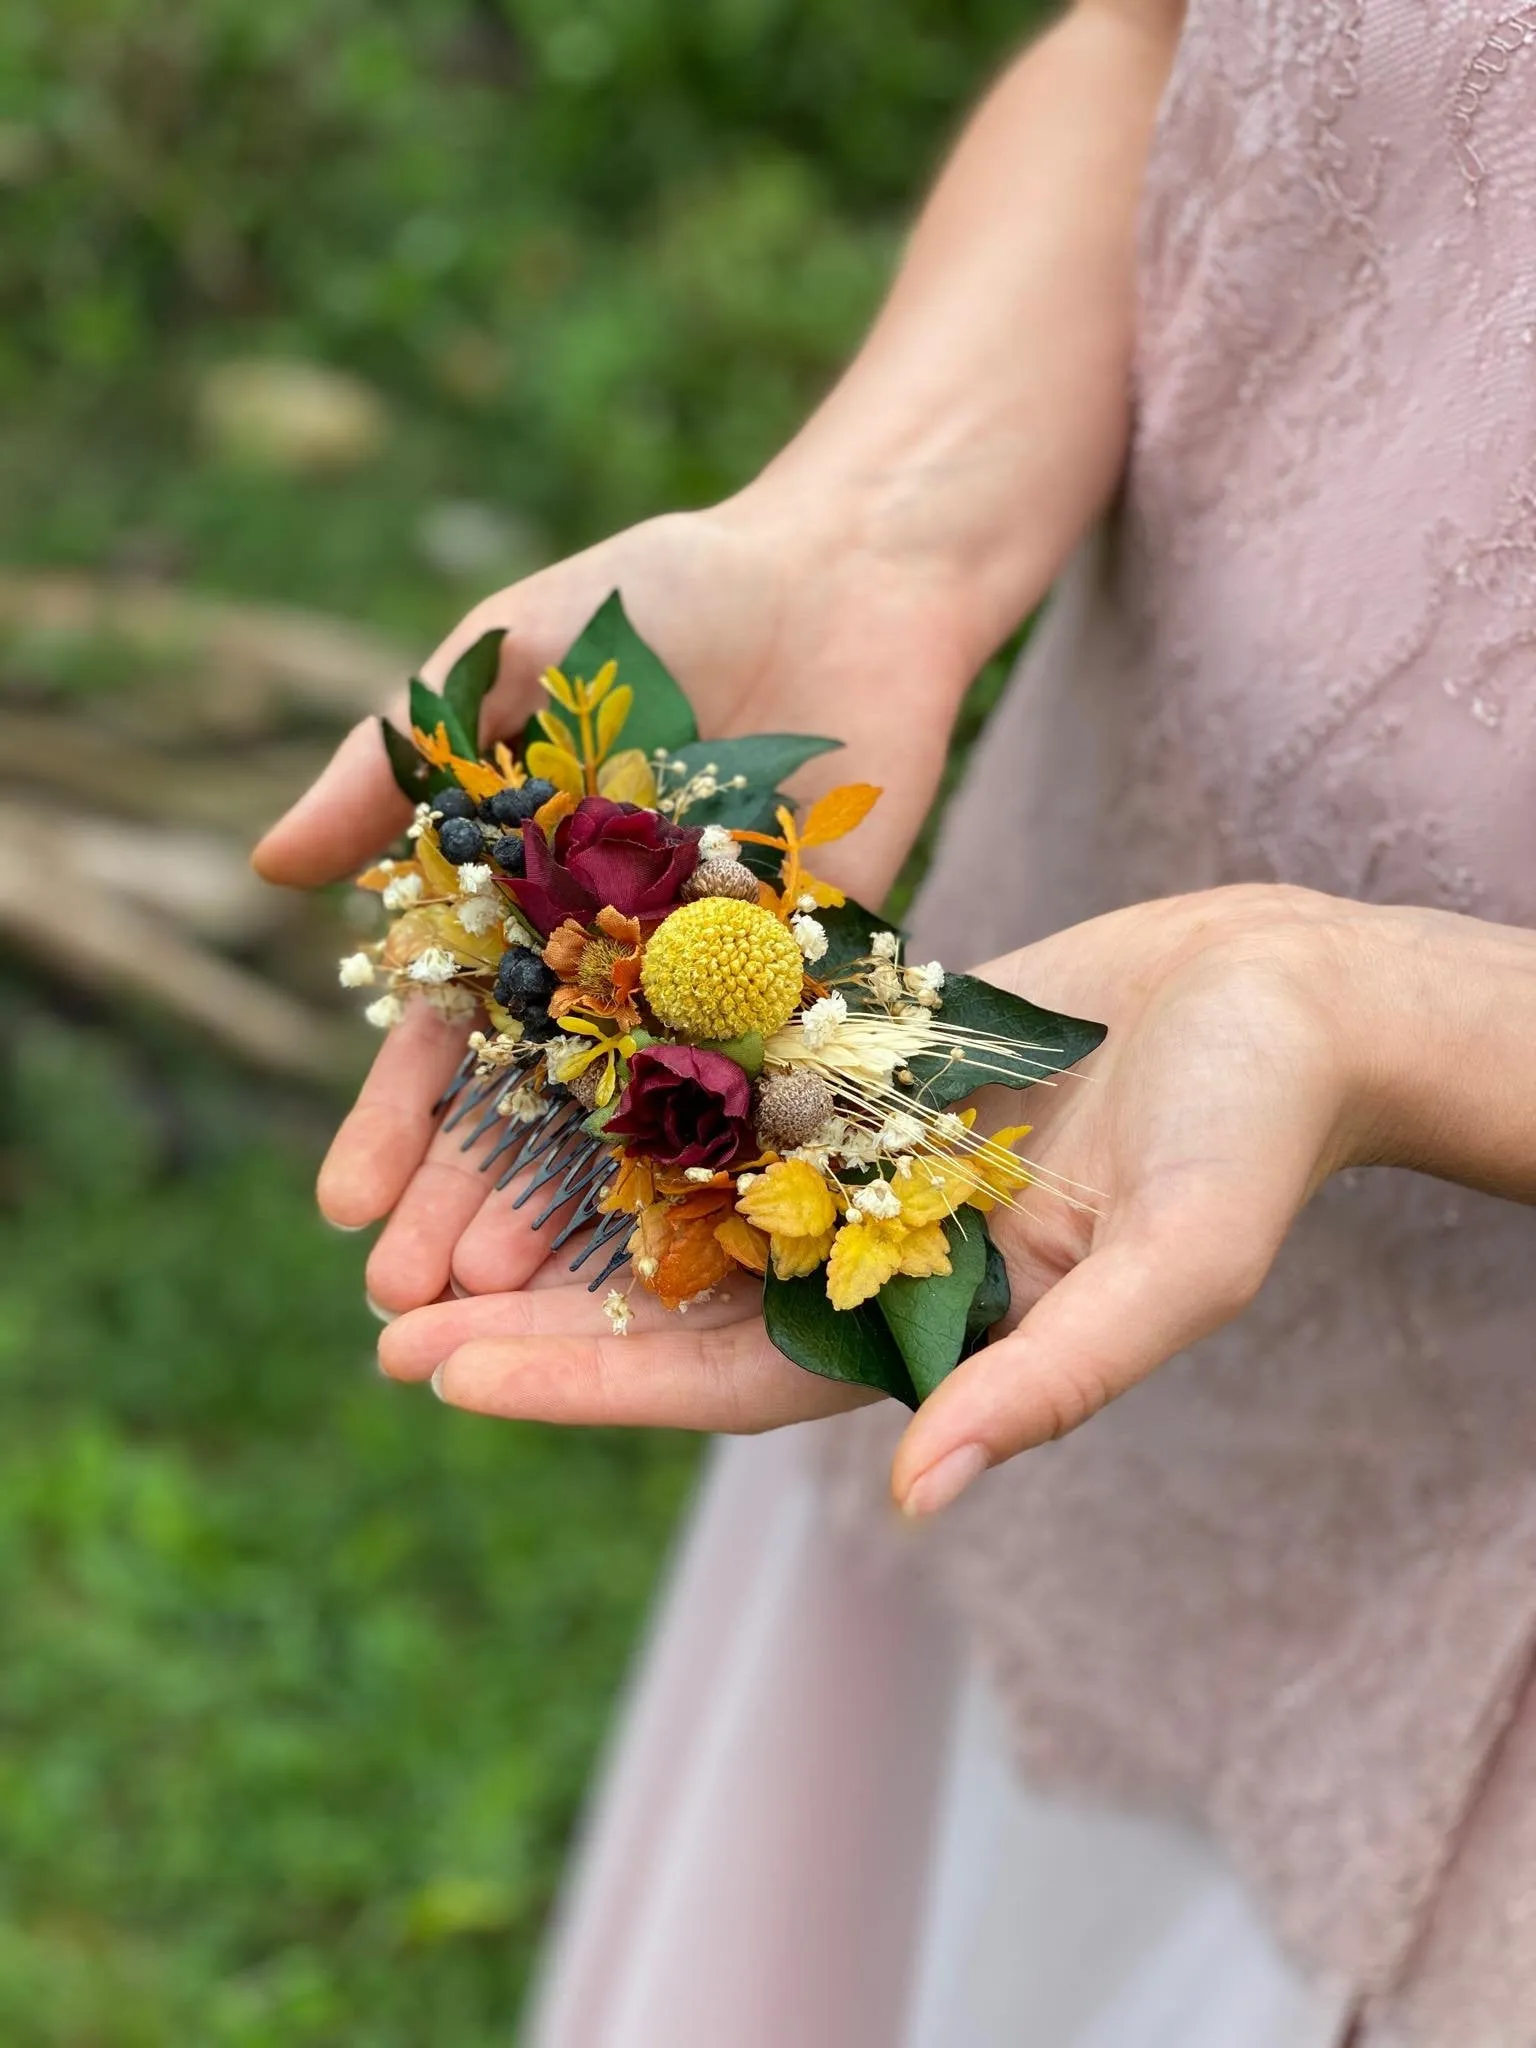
x: 469, y: 681
x: 1046, y: 1042
x: 854, y: 1345
x: 850, y: 932
x: 412, y: 774
x: 661, y: 715
x: 928, y: 1318
x: 429, y: 711
x: 992, y: 1299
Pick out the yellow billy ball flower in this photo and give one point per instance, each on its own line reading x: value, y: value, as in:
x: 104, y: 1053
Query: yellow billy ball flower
x: 720, y: 968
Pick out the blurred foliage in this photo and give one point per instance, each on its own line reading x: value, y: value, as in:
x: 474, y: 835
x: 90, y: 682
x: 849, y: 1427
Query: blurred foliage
x: 595, y: 259
x: 301, y: 1685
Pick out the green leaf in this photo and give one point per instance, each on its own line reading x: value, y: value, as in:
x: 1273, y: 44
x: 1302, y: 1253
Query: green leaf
x: 992, y: 1299
x: 1047, y: 1043
x: 662, y: 715
x: 412, y: 774
x: 850, y: 932
x: 746, y: 1051
x: 854, y: 1345
x: 469, y: 681
x: 429, y: 711
x: 929, y: 1318
x: 765, y: 759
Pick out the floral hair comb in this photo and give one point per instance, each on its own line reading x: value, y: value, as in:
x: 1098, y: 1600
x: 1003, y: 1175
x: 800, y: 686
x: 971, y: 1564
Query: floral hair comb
x: 697, y: 1057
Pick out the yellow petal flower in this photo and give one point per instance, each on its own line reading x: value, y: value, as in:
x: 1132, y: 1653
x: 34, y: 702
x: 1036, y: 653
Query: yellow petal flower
x: 996, y: 1177
x: 601, y: 684
x: 925, y: 1252
x: 794, y: 1257
x: 790, y: 1199
x: 864, y: 1256
x: 556, y: 731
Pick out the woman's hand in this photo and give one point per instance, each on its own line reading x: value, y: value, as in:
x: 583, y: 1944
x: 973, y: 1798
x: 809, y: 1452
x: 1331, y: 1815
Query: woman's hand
x: 772, y: 623
x: 1260, y: 1039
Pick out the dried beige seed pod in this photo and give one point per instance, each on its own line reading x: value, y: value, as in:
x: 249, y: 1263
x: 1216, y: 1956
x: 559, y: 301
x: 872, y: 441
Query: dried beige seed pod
x: 584, y: 1086
x: 721, y: 878
x: 791, y: 1108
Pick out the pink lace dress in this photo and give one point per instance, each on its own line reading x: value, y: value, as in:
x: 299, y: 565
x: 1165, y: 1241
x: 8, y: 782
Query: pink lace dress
x: 1287, y: 1588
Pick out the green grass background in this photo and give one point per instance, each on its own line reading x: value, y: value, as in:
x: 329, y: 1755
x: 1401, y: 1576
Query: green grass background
x: 300, y: 1684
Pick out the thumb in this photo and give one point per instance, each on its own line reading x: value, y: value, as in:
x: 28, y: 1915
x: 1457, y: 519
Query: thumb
x: 1151, y: 1289
x: 349, y: 811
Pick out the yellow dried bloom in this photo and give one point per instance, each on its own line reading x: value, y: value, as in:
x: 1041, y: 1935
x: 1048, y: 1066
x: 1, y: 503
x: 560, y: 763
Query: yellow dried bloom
x: 789, y: 1199
x: 798, y: 1209
x: 720, y: 968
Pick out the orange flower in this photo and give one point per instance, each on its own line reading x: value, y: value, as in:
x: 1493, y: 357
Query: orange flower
x: 599, y: 970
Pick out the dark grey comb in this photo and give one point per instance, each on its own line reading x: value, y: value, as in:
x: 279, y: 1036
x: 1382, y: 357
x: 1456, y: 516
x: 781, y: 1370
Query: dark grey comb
x: 568, y: 1162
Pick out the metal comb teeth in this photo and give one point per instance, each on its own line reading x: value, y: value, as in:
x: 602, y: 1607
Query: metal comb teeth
x: 570, y: 1166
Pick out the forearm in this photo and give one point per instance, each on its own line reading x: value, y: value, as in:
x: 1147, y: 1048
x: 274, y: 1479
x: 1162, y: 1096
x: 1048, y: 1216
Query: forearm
x: 982, y: 426
x: 1452, y: 1087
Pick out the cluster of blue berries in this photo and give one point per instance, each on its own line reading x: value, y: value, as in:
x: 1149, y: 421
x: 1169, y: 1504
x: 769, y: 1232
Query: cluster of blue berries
x: 524, y: 986
x: 493, y: 829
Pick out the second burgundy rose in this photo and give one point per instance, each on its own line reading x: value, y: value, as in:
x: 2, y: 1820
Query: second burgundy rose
x: 684, y: 1107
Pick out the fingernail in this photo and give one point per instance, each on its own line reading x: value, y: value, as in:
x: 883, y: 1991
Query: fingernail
x: 346, y: 1229
x: 944, y: 1482
x: 385, y: 1315
x: 437, y: 1380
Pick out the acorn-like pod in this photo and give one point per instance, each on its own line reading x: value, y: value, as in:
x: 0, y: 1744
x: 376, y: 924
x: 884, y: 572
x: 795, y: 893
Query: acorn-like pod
x: 790, y: 1108
x: 732, y: 878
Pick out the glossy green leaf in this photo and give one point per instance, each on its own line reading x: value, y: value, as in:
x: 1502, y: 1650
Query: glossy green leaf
x: 850, y: 932
x: 929, y: 1318
x: 853, y: 1345
x: 991, y: 1301
x: 469, y: 682
x: 429, y: 711
x: 661, y: 715
x: 413, y: 775
x: 1046, y: 1042
x: 765, y: 759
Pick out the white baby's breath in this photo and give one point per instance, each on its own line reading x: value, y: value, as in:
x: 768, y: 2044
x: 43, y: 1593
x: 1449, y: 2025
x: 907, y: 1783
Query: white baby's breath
x: 810, y: 936
x: 478, y: 914
x: 355, y: 971
x: 877, y: 1201
x: 385, y: 1013
x: 433, y: 966
x: 616, y: 1309
x: 899, y: 1133
x: 820, y: 1020
x: 716, y: 843
x: 402, y: 892
x: 474, y: 877
x: 885, y: 945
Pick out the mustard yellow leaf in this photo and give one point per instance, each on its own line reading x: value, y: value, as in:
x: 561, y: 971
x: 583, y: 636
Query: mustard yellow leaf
x: 628, y: 778
x: 746, y: 1245
x: 554, y: 681
x: 864, y: 1256
x: 789, y: 1199
x: 601, y: 684
x: 477, y: 777
x: 557, y: 732
x: 611, y: 715
x: 928, y: 1193
x: 794, y: 1257
x: 838, y: 812
x: 438, y: 873
x: 925, y: 1252
x: 827, y: 894
x: 559, y: 766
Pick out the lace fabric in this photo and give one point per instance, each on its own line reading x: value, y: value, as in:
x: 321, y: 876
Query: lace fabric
x: 1289, y: 1585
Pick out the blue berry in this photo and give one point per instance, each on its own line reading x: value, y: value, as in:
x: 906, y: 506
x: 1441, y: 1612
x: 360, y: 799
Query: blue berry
x: 523, y: 982
x: 508, y: 853
x: 516, y: 806
x: 454, y: 803
x: 460, y: 840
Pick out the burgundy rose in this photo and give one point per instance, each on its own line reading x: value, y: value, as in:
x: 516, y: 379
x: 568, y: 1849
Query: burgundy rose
x: 685, y: 1107
x: 604, y: 854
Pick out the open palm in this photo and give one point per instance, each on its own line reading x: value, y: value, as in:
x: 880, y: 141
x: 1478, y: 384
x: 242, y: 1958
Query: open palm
x: 767, y: 630
x: 1220, y: 1101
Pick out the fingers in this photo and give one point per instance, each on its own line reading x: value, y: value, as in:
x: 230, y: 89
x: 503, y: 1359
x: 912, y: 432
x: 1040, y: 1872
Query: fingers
x: 548, y: 1356
x: 388, y: 1129
x: 1151, y: 1290
x: 347, y: 814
